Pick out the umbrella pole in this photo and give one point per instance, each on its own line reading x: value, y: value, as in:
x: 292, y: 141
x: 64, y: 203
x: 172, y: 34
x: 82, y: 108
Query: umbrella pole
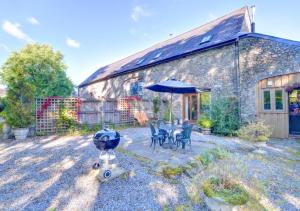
x: 171, y: 106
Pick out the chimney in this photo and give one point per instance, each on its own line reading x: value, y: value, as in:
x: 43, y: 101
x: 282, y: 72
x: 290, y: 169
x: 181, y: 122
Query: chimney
x: 252, y: 18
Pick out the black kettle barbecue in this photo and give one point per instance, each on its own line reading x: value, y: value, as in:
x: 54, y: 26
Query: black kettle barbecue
x: 106, y: 140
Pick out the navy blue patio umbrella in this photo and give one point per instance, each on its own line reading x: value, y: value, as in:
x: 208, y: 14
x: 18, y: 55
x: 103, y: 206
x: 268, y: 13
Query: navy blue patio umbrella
x: 173, y: 86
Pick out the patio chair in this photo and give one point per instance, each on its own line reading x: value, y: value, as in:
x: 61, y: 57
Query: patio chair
x: 184, y: 137
x: 160, y: 123
x: 155, y: 137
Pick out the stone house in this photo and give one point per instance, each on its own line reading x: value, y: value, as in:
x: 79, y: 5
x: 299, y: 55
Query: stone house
x: 223, y: 57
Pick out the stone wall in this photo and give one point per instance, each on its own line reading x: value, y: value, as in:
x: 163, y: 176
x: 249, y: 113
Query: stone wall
x: 214, y: 69
x: 261, y: 58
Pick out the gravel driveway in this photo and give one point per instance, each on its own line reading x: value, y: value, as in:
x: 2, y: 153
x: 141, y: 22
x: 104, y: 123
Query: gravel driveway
x: 55, y: 173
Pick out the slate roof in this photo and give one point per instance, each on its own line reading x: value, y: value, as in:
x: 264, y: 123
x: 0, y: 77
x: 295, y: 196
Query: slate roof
x: 221, y: 30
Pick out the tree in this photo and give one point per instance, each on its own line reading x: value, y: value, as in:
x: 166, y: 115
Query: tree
x: 35, y: 71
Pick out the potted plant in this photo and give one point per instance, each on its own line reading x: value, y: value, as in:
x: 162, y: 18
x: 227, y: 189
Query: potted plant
x: 18, y: 117
x: 223, y: 194
x: 205, y: 123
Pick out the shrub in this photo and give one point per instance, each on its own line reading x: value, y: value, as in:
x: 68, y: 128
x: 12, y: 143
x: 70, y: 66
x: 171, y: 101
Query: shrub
x: 256, y: 131
x: 167, y: 115
x: 223, y: 188
x: 16, y: 114
x: 212, y: 155
x: 156, y: 102
x: 225, y: 116
x: 67, y: 118
x: 204, y: 121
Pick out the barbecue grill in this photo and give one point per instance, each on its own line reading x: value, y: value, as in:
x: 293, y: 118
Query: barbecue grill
x: 106, y: 141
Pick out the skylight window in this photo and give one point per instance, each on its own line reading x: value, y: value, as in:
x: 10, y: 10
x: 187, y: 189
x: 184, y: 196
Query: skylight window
x: 206, y: 39
x: 157, y: 55
x: 140, y: 61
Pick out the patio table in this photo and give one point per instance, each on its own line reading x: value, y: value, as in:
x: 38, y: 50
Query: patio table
x: 170, y: 135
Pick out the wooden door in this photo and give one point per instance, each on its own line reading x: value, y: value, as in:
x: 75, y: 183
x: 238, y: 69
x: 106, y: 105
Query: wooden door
x: 190, y: 107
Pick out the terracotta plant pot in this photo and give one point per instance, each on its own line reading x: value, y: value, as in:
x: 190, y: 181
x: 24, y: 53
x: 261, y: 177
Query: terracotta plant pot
x: 21, y: 133
x: 217, y: 204
x: 206, y: 131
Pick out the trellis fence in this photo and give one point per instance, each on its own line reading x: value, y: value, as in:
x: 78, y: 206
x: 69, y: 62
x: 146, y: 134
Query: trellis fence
x: 48, y: 113
x: 87, y: 111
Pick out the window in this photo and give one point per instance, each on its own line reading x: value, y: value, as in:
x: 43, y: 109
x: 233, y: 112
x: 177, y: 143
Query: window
x: 267, y: 100
x: 278, y: 99
x: 205, y: 102
x: 140, y: 61
x: 136, y: 89
x: 206, y: 39
x: 157, y: 55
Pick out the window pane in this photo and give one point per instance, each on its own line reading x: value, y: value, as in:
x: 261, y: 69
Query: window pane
x: 267, y: 100
x: 205, y: 102
x: 278, y: 100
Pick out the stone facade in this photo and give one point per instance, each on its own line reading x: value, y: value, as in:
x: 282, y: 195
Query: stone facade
x: 232, y: 70
x: 261, y: 58
x: 214, y: 69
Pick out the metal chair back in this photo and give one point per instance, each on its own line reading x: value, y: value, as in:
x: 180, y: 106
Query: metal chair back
x: 187, y: 131
x: 152, y: 128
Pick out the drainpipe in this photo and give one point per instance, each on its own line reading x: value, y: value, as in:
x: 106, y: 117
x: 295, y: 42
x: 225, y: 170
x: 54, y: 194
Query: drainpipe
x: 237, y: 74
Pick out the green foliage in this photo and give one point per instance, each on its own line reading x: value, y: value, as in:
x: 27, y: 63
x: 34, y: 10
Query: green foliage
x: 166, y: 116
x: 156, y: 102
x: 67, y: 118
x: 172, y: 172
x: 205, y: 122
x: 34, y: 71
x: 212, y: 155
x: 256, y: 132
x: 16, y: 114
x: 225, y: 189
x: 225, y: 115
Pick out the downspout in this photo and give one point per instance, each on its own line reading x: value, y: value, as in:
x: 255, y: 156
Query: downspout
x: 237, y: 75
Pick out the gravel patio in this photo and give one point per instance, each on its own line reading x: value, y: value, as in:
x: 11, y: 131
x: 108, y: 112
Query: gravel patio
x: 55, y: 173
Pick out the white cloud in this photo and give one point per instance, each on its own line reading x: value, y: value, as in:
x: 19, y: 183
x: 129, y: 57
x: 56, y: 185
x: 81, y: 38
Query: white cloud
x: 138, y: 12
x: 4, y: 47
x: 72, y: 43
x: 32, y: 20
x: 14, y: 29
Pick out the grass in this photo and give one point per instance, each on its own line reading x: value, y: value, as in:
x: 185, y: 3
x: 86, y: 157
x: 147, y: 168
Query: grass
x: 212, y: 155
x: 223, y: 188
x: 297, y: 153
x: 172, y: 172
x: 183, y: 207
x: 142, y: 159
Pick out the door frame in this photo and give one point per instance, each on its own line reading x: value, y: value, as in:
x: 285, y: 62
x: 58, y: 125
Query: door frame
x: 190, y: 104
x: 289, y: 116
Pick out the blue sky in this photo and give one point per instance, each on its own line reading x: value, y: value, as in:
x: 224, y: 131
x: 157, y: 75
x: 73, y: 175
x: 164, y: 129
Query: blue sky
x: 93, y: 33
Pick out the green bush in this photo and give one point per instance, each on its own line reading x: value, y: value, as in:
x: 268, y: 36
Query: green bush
x: 205, y: 122
x: 225, y: 116
x: 16, y: 114
x: 67, y: 118
x: 256, y: 132
x: 156, y: 102
x: 223, y: 188
x: 166, y: 116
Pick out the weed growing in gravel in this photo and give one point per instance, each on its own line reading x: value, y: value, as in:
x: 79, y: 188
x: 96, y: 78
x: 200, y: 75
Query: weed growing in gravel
x: 142, y: 159
x: 227, y: 190
x: 173, y: 172
x: 183, y: 207
x: 212, y: 155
